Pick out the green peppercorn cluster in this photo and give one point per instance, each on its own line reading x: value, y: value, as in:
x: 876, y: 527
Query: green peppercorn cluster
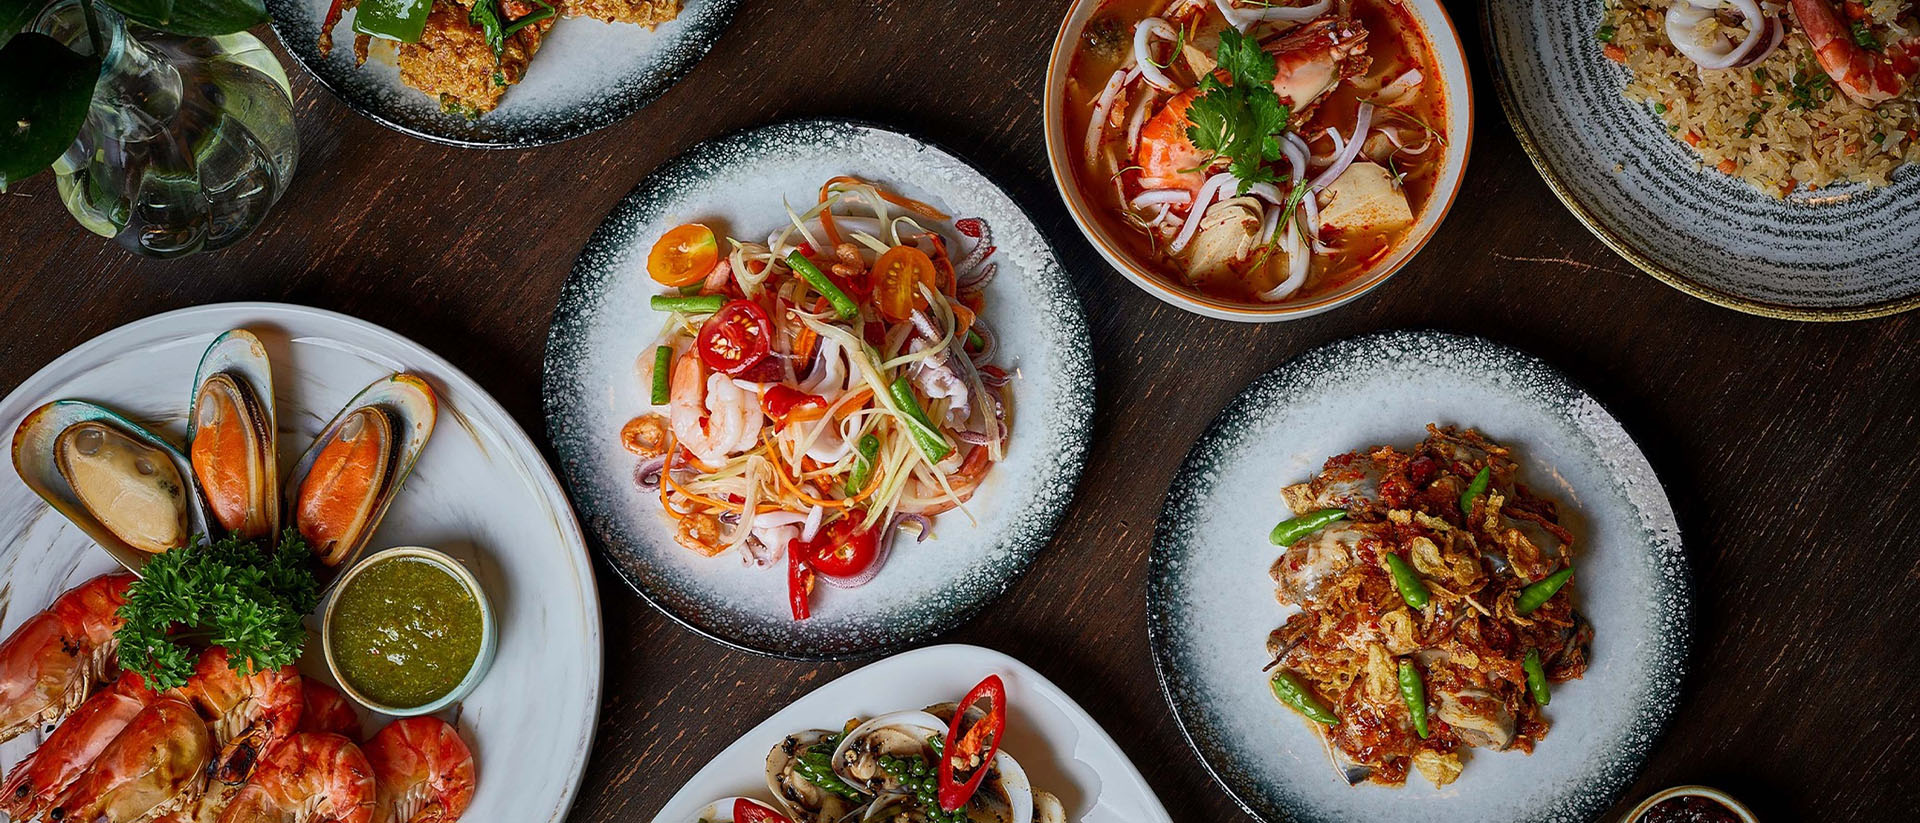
x: 918, y: 779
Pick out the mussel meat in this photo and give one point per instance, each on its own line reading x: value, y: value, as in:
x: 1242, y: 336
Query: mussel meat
x: 233, y: 458
x: 132, y: 489
x: 343, y: 488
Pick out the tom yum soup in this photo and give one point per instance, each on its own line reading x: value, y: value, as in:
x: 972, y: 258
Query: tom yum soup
x: 1257, y: 152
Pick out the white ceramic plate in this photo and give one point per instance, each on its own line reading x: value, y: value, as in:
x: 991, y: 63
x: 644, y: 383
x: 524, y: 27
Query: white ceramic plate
x: 738, y: 185
x: 587, y: 75
x: 480, y: 493
x: 1840, y: 253
x: 1062, y: 749
x: 1211, y: 603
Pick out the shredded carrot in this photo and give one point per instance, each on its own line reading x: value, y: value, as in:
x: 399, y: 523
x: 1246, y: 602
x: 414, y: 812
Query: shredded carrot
x: 1615, y: 53
x: 852, y: 402
x: 963, y: 318
x: 1727, y: 166
x: 780, y: 471
x: 907, y: 203
x: 804, y: 342
x: 826, y: 215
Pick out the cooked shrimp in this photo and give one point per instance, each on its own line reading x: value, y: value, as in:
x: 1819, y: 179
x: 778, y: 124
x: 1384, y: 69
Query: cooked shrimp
x: 1166, y: 157
x: 249, y: 715
x: 38, y: 780
x: 326, y: 710
x: 1869, y: 77
x: 155, y: 766
x: 423, y: 771
x: 711, y: 415
x: 50, y: 664
x: 310, y: 778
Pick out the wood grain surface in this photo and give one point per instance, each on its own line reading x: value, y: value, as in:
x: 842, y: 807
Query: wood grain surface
x: 1789, y: 449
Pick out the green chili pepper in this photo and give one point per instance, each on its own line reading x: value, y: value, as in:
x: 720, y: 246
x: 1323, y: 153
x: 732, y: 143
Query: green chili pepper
x: 402, y: 20
x: 975, y: 340
x: 689, y: 305
x: 1536, y: 677
x: 935, y: 447
x: 1290, y: 531
x: 817, y: 768
x: 865, y: 451
x: 1408, y: 582
x: 662, y: 365
x: 1475, y: 489
x: 1414, y: 691
x: 1297, y: 697
x: 1540, y: 591
x: 842, y: 304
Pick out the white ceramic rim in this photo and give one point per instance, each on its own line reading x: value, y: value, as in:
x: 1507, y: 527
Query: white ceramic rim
x: 1739, y: 809
x: 1448, y: 52
x: 482, y: 658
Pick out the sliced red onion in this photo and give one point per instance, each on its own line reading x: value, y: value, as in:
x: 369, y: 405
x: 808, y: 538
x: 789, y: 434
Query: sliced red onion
x: 1363, y: 118
x: 1143, y: 34
x: 1200, y: 203
x: 1244, y: 19
x: 1718, y: 52
x: 1298, y: 260
x: 1393, y: 136
x: 647, y: 474
x: 1142, y: 104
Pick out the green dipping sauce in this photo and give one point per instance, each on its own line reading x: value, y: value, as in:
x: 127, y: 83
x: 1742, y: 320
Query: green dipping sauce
x: 405, y: 632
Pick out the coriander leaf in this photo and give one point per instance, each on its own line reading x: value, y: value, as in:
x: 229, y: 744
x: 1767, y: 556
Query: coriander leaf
x: 1244, y: 60
x: 1241, y: 121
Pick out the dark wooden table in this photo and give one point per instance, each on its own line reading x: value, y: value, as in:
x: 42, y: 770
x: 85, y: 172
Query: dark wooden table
x: 1788, y: 449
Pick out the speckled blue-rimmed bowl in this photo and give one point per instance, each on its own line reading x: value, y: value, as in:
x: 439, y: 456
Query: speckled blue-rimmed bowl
x: 1841, y: 253
x: 587, y: 75
x: 739, y: 185
x: 1211, y: 604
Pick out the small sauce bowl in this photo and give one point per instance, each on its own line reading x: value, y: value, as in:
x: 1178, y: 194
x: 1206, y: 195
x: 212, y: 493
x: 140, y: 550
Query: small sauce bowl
x: 1741, y: 812
x: 483, y: 658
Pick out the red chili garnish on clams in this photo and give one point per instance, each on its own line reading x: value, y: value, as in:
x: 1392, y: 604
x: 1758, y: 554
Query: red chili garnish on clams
x: 734, y: 338
x: 747, y: 811
x: 981, y: 741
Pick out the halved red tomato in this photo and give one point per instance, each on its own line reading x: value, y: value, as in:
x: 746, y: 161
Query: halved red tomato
x: 734, y: 338
x: 685, y: 255
x: 896, y: 276
x: 844, y: 549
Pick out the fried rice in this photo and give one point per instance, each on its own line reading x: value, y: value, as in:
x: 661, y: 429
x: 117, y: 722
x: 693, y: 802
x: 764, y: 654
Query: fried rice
x: 1780, y: 124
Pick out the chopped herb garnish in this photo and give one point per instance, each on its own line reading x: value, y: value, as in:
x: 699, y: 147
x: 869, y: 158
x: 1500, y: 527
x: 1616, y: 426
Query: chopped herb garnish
x: 1879, y: 137
x: 1752, y: 120
x: 1660, y: 108
x: 1863, y: 37
x: 245, y: 596
x: 1243, y: 121
x: 1605, y: 34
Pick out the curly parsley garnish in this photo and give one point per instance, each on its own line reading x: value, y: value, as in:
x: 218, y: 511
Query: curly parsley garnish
x: 1242, y: 121
x: 233, y: 593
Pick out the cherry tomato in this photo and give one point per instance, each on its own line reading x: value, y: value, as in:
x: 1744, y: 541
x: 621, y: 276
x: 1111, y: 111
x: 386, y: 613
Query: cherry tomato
x: 844, y: 549
x: 895, y: 278
x: 781, y: 401
x: 747, y: 811
x: 734, y: 338
x: 683, y: 256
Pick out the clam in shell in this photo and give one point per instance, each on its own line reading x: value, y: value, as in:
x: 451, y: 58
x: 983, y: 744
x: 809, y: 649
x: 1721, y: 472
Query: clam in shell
x: 803, y: 801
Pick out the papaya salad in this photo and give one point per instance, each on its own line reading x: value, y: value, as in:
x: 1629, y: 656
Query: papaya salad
x: 816, y: 394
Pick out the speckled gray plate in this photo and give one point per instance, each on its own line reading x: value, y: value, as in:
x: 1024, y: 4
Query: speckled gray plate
x: 587, y: 75
x: 737, y: 184
x: 1210, y: 602
x: 1842, y: 253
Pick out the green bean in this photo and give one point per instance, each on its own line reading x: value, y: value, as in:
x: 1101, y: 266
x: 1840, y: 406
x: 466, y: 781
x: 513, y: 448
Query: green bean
x: 1295, y: 695
x: 1536, y: 677
x: 1475, y: 488
x: 931, y: 443
x: 842, y: 304
x: 1537, y: 593
x: 707, y: 304
x: 1290, y: 531
x: 1408, y: 582
x: 662, y: 364
x: 865, y: 451
x: 1414, y: 691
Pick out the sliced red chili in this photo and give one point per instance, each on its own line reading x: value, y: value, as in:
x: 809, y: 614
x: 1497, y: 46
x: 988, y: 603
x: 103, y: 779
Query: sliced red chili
x: 780, y: 402
x: 799, y: 580
x: 982, y: 740
x: 747, y: 811
x: 735, y: 338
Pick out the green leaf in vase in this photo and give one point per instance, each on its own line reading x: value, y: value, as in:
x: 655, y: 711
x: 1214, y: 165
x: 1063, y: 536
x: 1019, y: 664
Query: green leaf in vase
x: 194, y: 18
x: 45, y: 89
x: 16, y: 16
